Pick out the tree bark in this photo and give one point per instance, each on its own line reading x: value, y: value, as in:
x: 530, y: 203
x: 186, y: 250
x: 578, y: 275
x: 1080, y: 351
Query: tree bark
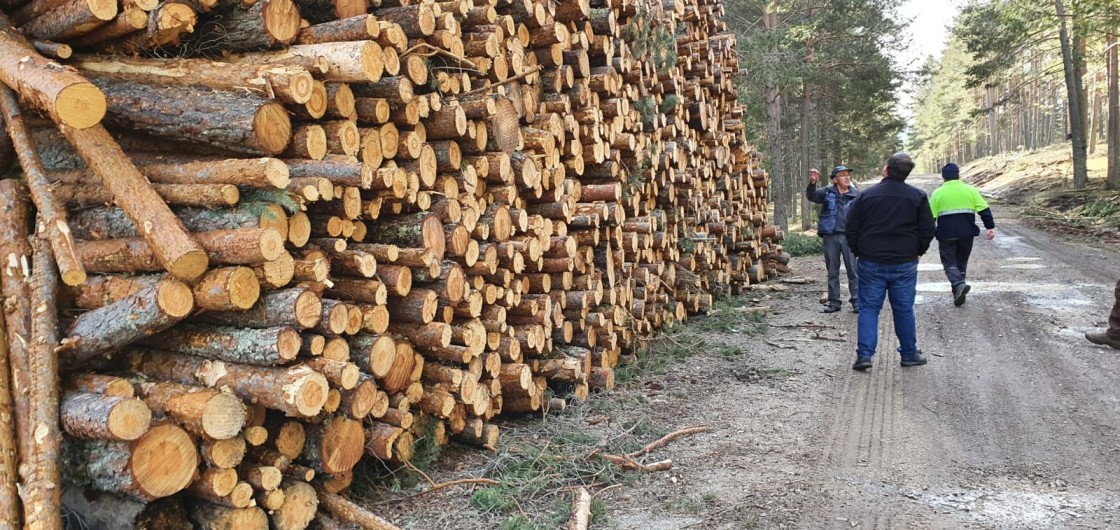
x: 261, y: 347
x: 1113, y: 178
x: 347, y: 511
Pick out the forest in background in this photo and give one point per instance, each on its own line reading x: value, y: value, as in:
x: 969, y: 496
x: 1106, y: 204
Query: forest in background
x: 820, y: 88
x: 1020, y: 75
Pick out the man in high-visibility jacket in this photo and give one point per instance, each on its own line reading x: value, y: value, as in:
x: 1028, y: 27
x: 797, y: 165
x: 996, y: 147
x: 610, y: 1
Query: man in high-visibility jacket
x: 955, y: 205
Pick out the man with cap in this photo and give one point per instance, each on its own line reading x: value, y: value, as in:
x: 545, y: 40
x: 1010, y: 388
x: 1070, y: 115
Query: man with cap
x: 954, y: 205
x: 834, y: 200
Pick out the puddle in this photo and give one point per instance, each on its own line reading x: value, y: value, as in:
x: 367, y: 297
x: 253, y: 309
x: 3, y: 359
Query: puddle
x: 1024, y: 259
x: 1024, y: 266
x: 926, y: 267
x: 1049, y: 296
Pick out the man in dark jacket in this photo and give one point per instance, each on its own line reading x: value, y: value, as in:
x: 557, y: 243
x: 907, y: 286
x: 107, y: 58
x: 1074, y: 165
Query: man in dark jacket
x: 889, y: 227
x: 834, y: 202
x: 955, y: 205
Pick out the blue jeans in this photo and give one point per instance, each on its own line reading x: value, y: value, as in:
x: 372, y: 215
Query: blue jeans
x: 876, y: 282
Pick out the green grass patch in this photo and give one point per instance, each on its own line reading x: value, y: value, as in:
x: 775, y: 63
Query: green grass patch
x: 801, y: 244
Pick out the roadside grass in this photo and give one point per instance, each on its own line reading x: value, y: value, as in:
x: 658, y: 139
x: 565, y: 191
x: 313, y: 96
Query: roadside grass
x: 542, y: 459
x: 802, y: 244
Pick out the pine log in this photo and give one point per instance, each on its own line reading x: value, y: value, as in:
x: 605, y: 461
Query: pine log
x: 109, y: 385
x: 261, y: 347
x: 335, y: 445
x: 347, y: 511
x: 210, y: 516
x: 9, y: 449
x: 248, y: 27
x: 200, y: 195
x: 340, y: 374
x: 203, y: 412
x: 360, y: 27
x: 148, y: 311
x: 71, y: 19
x: 343, y: 62
x: 224, y: 454
x: 297, y: 307
x: 68, y: 97
x: 358, y: 402
x: 229, y: 120
x: 300, y: 506
x: 160, y: 463
x: 168, y: 240
x: 41, y: 493
x: 290, y: 84
x: 296, y: 391
x: 288, y: 437
x: 248, y: 246
x: 101, y: 417
x: 54, y: 219
x: 214, y: 482
x: 373, y: 353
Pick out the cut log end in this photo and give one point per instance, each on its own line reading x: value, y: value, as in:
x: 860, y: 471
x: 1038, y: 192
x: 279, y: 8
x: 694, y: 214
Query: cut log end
x: 244, y: 288
x: 190, y: 265
x: 273, y: 128
x: 80, y: 105
x: 130, y: 419
x: 175, y: 298
x: 223, y: 416
x: 74, y: 277
x: 164, y: 460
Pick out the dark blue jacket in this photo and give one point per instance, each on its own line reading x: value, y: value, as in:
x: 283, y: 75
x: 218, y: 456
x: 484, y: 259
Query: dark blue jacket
x: 832, y: 202
x: 890, y: 223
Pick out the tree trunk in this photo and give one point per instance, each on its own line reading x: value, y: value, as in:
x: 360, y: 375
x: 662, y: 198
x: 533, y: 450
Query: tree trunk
x: 1113, y: 181
x: 1072, y: 63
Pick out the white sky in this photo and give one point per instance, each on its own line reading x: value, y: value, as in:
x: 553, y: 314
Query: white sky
x: 927, y: 34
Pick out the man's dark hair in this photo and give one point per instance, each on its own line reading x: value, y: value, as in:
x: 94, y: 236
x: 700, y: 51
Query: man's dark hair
x: 899, y: 166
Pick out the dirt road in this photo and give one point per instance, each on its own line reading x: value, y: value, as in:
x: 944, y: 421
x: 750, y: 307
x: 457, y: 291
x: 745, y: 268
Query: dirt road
x: 1013, y: 424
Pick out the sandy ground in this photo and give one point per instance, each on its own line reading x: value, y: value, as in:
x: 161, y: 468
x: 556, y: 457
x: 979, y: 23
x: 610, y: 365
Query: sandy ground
x: 1013, y: 424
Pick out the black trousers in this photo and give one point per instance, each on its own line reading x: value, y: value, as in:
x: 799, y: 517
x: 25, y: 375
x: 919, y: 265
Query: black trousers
x: 954, y: 258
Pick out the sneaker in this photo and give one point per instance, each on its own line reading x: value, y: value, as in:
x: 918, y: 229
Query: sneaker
x: 959, y: 293
x: 916, y: 360
x: 1103, y: 339
x: 862, y: 364
x: 830, y: 309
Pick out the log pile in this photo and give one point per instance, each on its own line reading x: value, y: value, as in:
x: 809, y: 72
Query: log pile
x: 292, y: 234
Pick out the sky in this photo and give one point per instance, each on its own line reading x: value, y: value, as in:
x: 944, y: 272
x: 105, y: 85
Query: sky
x: 928, y: 32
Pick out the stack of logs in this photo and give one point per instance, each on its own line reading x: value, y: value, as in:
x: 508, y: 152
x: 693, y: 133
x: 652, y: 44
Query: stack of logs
x: 291, y: 234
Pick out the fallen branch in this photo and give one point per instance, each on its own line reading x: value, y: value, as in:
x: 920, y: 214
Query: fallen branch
x: 629, y: 463
x: 518, y: 77
x: 804, y: 325
x: 581, y: 510
x: 666, y: 439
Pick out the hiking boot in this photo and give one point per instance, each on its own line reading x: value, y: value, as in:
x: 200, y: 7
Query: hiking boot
x: 915, y: 360
x: 959, y: 293
x: 862, y: 364
x: 1103, y: 339
x: 830, y: 309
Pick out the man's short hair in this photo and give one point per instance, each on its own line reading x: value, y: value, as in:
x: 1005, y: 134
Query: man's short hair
x: 899, y: 166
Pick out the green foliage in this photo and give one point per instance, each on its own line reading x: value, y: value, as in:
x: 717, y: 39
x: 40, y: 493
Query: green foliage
x: 670, y: 103
x: 801, y: 244
x: 280, y: 197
